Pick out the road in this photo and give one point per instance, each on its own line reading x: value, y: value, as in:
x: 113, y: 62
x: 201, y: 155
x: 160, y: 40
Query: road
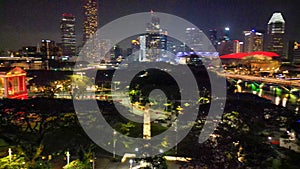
x: 121, y: 98
x: 135, y: 109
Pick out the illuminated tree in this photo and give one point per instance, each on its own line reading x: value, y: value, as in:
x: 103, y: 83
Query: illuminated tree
x: 27, y: 125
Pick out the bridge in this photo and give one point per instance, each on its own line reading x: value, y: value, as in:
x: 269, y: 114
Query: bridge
x: 285, y: 82
x: 285, y: 92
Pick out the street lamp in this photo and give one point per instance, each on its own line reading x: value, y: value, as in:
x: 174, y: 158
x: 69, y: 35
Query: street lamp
x: 68, y: 157
x: 93, y: 161
x: 10, y: 155
x: 270, y: 139
x: 175, y: 129
x: 130, y: 162
x: 114, y: 144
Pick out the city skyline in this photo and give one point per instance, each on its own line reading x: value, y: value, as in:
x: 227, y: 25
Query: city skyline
x: 28, y: 23
x: 168, y: 84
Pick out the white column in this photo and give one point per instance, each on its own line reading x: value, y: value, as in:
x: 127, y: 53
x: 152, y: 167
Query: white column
x: 147, y: 124
x: 68, y: 157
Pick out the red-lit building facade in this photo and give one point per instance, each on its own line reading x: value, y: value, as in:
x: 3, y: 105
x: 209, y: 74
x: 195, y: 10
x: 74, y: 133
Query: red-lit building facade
x: 13, y: 83
x: 252, y: 62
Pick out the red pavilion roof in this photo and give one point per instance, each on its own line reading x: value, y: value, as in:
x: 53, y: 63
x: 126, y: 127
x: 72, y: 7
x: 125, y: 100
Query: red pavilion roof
x: 242, y: 55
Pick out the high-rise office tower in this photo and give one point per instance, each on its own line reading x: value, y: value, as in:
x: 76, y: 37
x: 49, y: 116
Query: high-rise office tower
x: 153, y: 26
x: 213, y: 37
x: 238, y: 46
x: 226, y: 33
x: 90, y: 23
x: 47, y: 48
x: 194, y: 38
x: 294, y: 52
x: 253, y: 41
x: 225, y: 45
x: 275, y: 34
x: 68, y: 36
x: 155, y: 40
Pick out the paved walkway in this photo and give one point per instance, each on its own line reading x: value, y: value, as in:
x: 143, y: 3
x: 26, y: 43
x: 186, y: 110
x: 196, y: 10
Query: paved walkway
x: 105, y: 163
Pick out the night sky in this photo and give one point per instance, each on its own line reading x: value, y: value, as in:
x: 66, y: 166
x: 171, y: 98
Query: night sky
x: 26, y: 22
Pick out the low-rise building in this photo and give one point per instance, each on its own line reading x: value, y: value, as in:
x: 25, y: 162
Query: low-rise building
x: 12, y: 83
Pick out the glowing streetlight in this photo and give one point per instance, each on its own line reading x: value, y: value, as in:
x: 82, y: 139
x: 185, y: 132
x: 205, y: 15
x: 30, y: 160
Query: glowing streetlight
x: 68, y: 157
x: 130, y: 162
x: 114, y: 144
x: 9, y: 154
x: 93, y: 161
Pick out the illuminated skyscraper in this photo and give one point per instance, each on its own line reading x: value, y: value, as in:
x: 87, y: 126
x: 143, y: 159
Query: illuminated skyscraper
x: 276, y: 30
x: 153, y: 27
x: 294, y: 52
x: 238, y: 46
x: 213, y: 37
x: 155, y: 40
x: 253, y: 41
x: 68, y: 36
x: 194, y: 38
x: 226, y: 33
x: 90, y: 24
x: 225, y: 45
x: 47, y: 48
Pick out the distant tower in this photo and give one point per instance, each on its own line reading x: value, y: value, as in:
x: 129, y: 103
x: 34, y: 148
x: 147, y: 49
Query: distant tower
x: 47, y: 48
x: 238, y: 46
x: 276, y: 31
x: 294, y: 52
x: 225, y: 45
x: 213, y: 37
x: 253, y: 41
x: 156, y: 39
x: 194, y: 38
x: 226, y: 33
x: 154, y: 26
x: 38, y: 48
x: 90, y: 23
x: 68, y: 36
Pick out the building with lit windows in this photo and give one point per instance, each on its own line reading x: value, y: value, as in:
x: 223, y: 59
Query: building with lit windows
x: 153, y: 27
x: 13, y: 83
x: 90, y: 23
x: 194, y: 38
x: 68, y: 36
x: 213, y: 37
x: 226, y: 33
x: 47, y: 48
x: 238, y: 46
x: 225, y: 45
x: 275, y: 34
x: 253, y: 41
x: 294, y: 52
x: 154, y: 43
x: 30, y: 51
